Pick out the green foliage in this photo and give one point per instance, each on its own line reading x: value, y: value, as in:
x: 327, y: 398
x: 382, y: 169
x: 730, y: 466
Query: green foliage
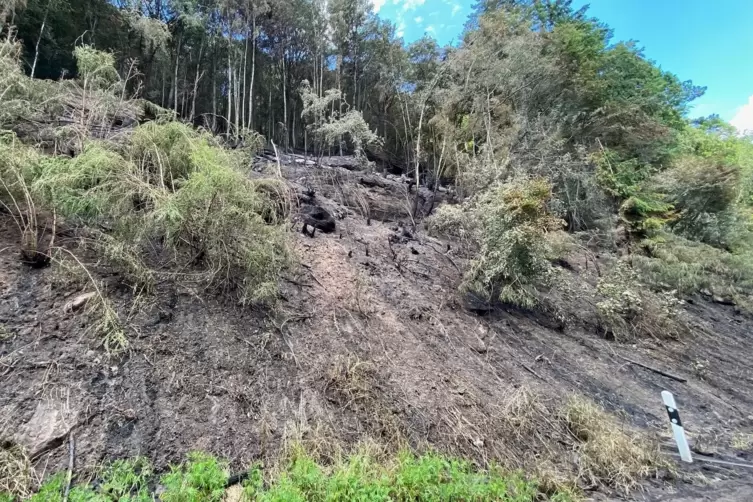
x: 233, y: 224
x: 90, y: 187
x: 703, y: 194
x: 201, y: 479
x: 408, y: 477
x: 331, y: 125
x: 627, y: 309
x: 127, y: 480
x: 19, y: 164
x: 51, y: 490
x: 167, y: 153
x: 430, y: 477
x: 121, y: 481
x: 175, y: 185
x: 677, y: 263
x: 513, y: 251
x: 96, y: 68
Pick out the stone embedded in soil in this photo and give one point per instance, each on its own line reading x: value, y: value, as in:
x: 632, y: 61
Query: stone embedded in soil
x: 50, y: 424
x: 78, y: 302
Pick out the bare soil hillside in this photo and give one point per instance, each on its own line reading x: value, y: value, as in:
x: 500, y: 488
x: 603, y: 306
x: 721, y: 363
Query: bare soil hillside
x: 370, y: 339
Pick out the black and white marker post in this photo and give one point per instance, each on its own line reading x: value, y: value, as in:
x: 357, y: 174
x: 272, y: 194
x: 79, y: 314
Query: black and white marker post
x: 677, y: 429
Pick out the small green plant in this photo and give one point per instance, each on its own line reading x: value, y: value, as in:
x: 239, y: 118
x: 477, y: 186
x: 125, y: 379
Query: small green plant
x: 408, y: 478
x: 51, y: 490
x: 127, y: 480
x: 201, y: 479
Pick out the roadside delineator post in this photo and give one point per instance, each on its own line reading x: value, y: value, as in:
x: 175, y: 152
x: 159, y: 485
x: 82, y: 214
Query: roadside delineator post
x: 677, y: 429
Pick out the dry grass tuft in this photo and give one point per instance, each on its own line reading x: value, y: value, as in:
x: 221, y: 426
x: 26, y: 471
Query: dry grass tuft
x: 609, y: 454
x: 16, y: 472
x: 354, y: 385
x: 349, y: 380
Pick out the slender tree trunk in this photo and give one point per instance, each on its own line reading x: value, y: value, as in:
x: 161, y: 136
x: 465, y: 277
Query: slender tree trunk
x: 292, y: 120
x: 237, y: 100
x: 285, y: 103
x: 39, y: 39
x: 214, y: 87
x: 340, y: 89
x: 199, y: 74
x: 244, y: 96
x: 271, y: 130
x: 164, y: 85
x: 175, y: 81
x: 229, y: 92
x: 253, y: 75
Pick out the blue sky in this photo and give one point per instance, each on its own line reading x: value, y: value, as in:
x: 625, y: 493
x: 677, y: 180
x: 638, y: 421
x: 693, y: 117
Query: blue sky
x: 708, y: 42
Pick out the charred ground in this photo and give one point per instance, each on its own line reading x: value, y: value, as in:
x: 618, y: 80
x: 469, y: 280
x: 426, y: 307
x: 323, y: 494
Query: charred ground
x: 370, y: 339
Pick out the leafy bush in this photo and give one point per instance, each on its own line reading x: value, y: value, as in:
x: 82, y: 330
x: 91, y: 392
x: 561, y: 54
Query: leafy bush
x: 167, y: 153
x: 173, y: 185
x: 513, y: 249
x: 703, y: 194
x: 330, y: 125
x: 96, y: 68
x: 627, y: 309
x: 676, y: 263
x: 92, y: 187
x: 233, y: 227
x: 453, y: 221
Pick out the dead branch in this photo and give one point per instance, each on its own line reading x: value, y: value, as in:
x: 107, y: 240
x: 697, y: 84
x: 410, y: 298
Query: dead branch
x: 71, y: 459
x: 655, y: 370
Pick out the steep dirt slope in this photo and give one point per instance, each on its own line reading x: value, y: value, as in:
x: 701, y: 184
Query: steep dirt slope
x: 371, y: 338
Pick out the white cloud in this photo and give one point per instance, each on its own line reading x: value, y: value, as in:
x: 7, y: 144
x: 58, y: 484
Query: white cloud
x: 377, y: 4
x: 743, y: 119
x: 409, y: 4
x: 419, y: 20
x: 431, y: 29
x: 455, y: 9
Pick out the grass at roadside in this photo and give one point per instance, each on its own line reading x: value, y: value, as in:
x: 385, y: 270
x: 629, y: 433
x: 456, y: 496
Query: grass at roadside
x: 204, y: 478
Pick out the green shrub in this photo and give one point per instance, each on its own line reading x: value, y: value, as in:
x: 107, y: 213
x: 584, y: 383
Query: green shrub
x: 167, y: 153
x: 127, y: 480
x: 121, y: 481
x: 92, y: 187
x: 201, y: 479
x: 96, y: 68
x: 676, y: 263
x: 174, y: 186
x: 513, y: 249
x: 231, y: 225
x: 628, y: 309
x: 703, y: 193
x: 453, y: 221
